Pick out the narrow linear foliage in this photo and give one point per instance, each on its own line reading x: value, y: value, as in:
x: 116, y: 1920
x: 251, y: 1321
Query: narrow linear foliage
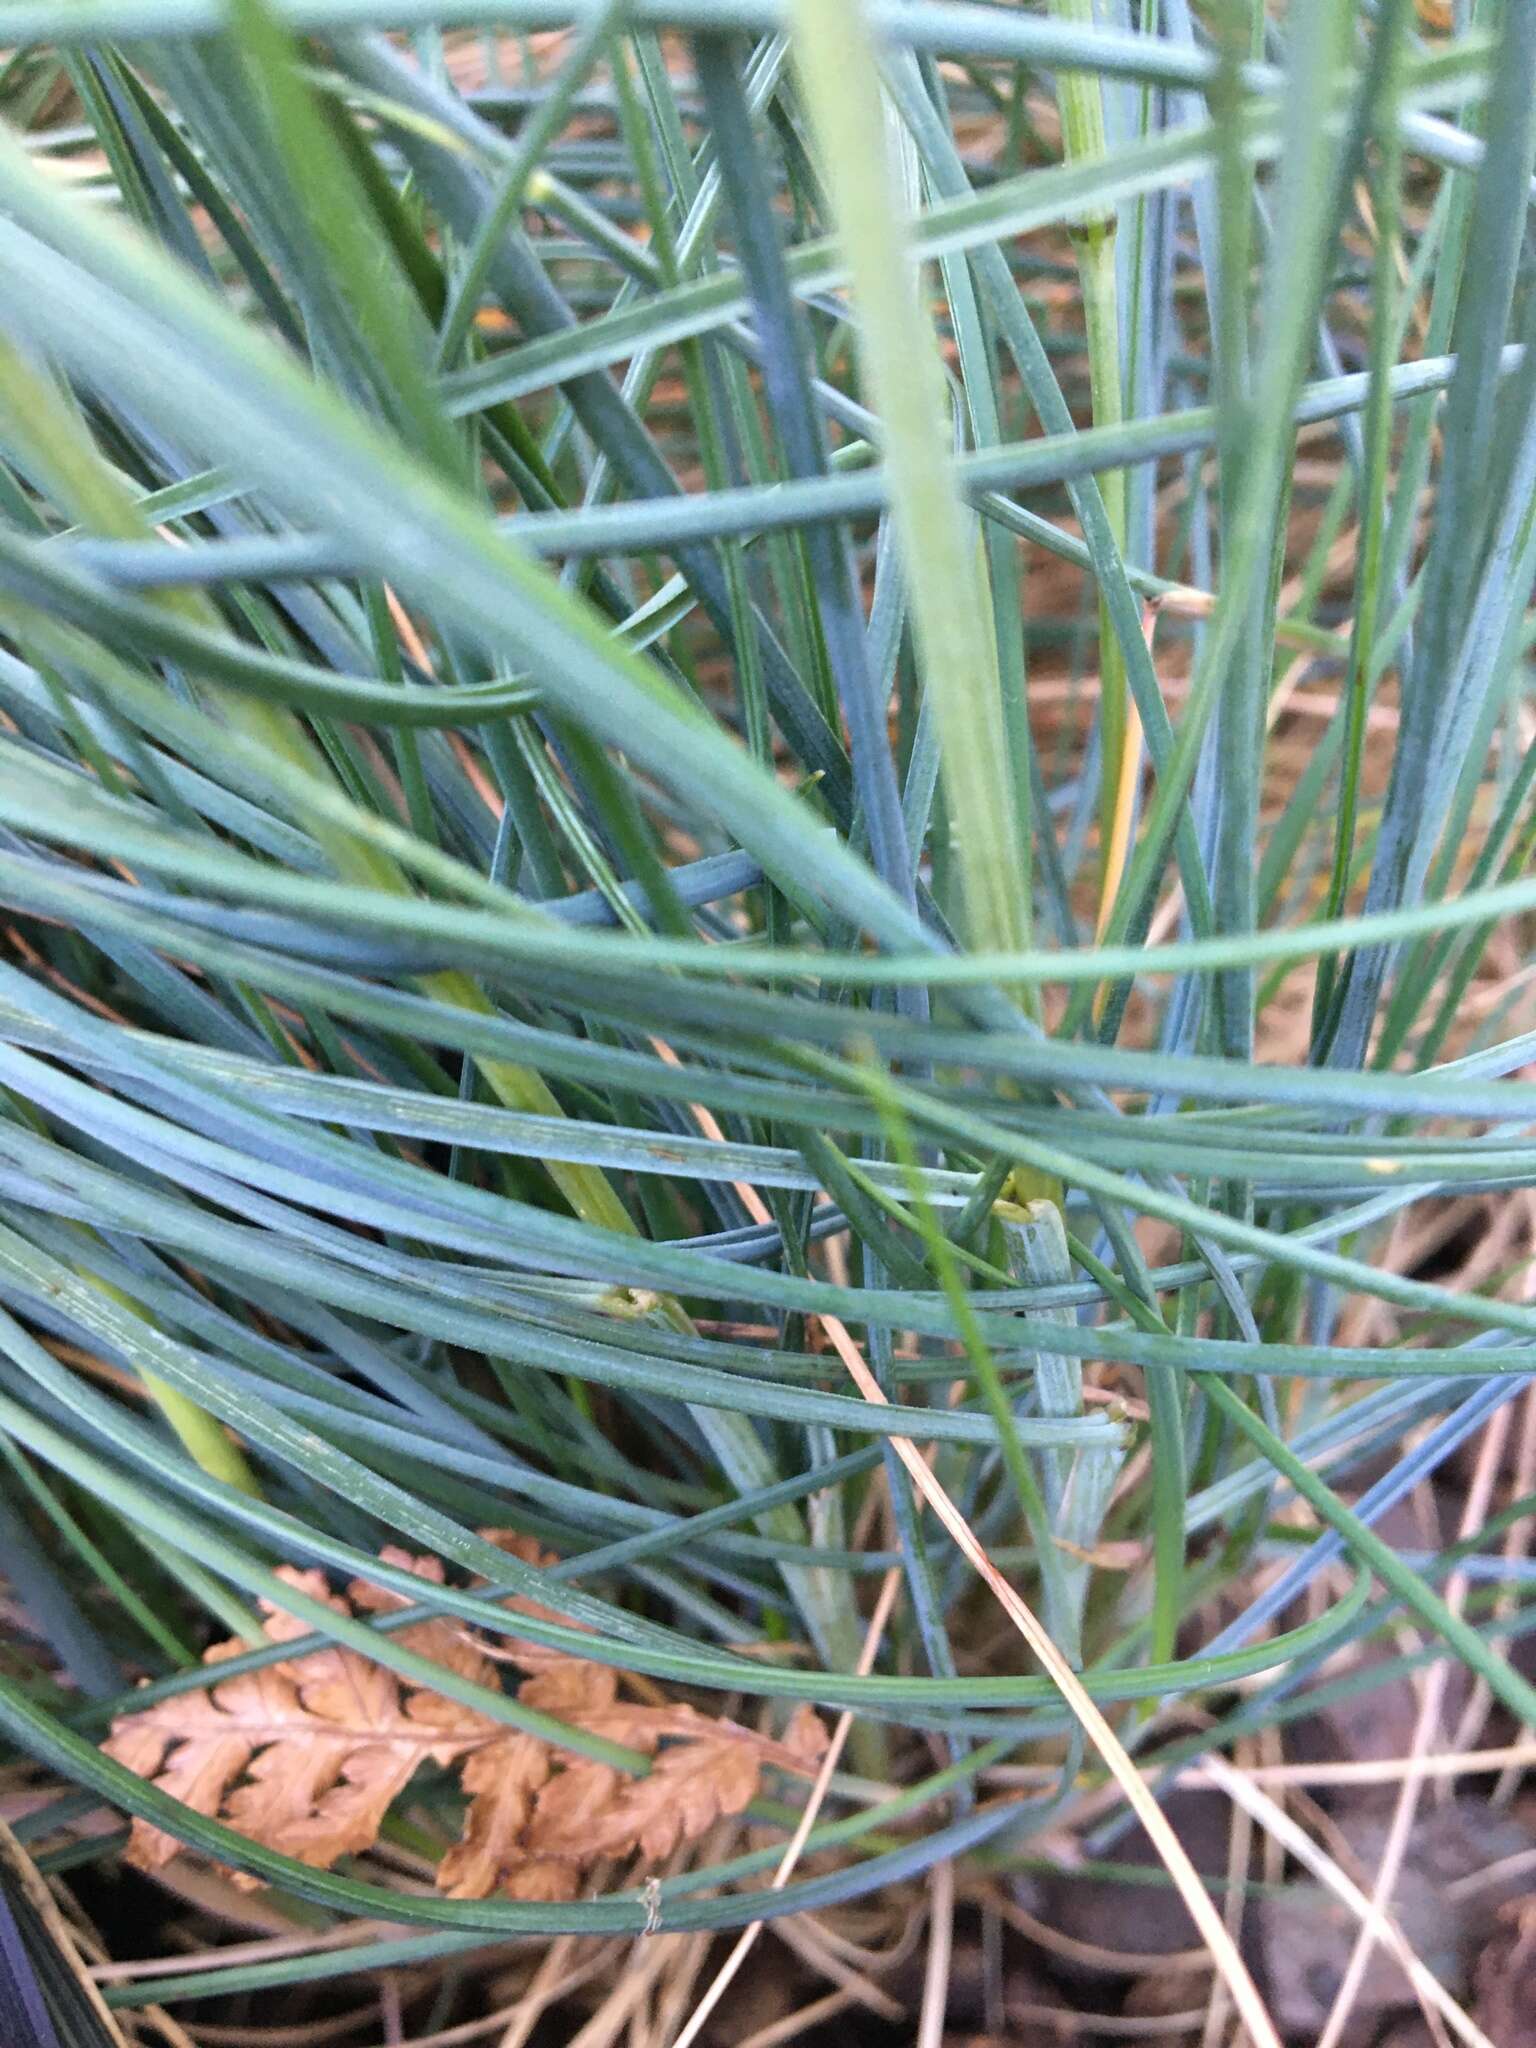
x: 690, y: 690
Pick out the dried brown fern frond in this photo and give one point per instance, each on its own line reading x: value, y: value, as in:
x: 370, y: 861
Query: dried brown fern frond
x: 308, y: 1756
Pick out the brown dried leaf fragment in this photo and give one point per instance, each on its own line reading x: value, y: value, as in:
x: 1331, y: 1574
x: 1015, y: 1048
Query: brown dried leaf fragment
x: 587, y: 1812
x: 570, y: 1812
x: 445, y: 1642
x: 574, y: 1691
x: 531, y: 1656
x: 501, y: 1780
x: 543, y: 1880
x: 691, y: 1787
x: 806, y: 1735
x: 307, y: 1756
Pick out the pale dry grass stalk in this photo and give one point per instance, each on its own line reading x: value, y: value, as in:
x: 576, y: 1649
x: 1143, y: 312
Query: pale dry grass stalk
x: 555, y: 1977
x: 885, y: 1601
x: 232, y: 1956
x: 1426, y: 1725
x: 1446, y: 1765
x: 794, y: 2024
x: 1516, y: 1545
x: 941, y: 1942
x: 823, y: 1954
x: 1325, y: 1869
x: 1245, y: 1993
x: 1098, y: 1955
x: 1127, y: 784
x: 649, y: 1959
x: 1239, y: 1851
x: 69, y: 1941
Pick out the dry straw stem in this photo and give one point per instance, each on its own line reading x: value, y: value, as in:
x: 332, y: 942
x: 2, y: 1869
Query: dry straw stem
x: 886, y: 1600
x: 1426, y: 1726
x: 20, y: 1871
x: 1365, y: 1771
x: 234, y: 1955
x: 935, y: 2006
x: 1123, y: 812
x: 1201, y: 1908
x: 1427, y: 1987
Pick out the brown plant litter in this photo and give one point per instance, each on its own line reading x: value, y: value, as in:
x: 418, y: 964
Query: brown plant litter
x: 307, y: 1757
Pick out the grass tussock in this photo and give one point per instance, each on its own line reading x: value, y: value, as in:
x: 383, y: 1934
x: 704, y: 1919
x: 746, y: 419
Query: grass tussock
x: 765, y: 817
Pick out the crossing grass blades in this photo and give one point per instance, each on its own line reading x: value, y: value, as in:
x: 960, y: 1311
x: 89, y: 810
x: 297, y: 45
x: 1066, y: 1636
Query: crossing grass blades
x: 766, y: 779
